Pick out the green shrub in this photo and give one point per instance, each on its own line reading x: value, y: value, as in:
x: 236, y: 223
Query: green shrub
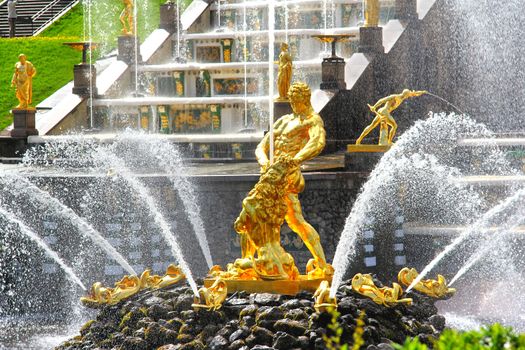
x: 411, y: 344
x: 495, y: 337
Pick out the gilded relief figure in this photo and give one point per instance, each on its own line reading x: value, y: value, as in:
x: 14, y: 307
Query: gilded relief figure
x: 372, y: 9
x: 284, y: 76
x: 300, y: 136
x: 126, y: 18
x: 23, y: 81
x: 383, y: 109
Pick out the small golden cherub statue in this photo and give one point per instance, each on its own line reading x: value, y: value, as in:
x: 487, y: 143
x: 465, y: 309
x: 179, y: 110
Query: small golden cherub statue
x: 211, y: 298
x: 23, y: 81
x: 126, y: 18
x: 284, y: 76
x: 372, y: 9
x: 383, y: 109
x: 323, y: 301
x: 433, y: 288
x: 364, y: 285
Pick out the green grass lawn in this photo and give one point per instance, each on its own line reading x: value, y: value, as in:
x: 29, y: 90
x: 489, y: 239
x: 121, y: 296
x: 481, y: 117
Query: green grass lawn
x: 54, y: 61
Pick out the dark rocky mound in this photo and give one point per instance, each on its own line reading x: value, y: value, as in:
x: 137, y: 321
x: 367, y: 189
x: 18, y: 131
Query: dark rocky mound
x: 165, y: 320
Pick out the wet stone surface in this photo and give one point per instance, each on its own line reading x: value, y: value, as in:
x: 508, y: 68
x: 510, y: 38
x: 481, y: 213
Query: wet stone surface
x: 165, y: 320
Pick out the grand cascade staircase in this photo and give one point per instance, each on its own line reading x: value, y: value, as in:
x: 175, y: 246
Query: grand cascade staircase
x: 34, y: 15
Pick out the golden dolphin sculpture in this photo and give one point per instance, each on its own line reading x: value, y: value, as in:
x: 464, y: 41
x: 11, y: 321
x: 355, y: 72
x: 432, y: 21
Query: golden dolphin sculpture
x: 211, y: 298
x: 364, y: 285
x: 434, y: 288
x: 129, y: 286
x: 323, y: 301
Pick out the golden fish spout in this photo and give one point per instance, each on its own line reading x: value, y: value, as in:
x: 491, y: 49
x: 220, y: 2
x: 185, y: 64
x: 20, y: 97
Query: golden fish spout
x: 386, y: 296
x: 434, y: 288
x: 211, y: 298
x: 130, y: 285
x: 323, y: 301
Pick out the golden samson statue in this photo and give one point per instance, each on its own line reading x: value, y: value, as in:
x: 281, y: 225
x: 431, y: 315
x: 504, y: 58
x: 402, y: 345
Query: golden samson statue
x: 23, y: 81
x: 383, y: 109
x: 298, y: 137
x: 126, y: 18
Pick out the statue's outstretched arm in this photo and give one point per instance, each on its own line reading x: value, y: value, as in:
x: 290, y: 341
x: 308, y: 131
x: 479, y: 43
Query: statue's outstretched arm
x: 381, y: 102
x: 418, y: 93
x: 316, y: 143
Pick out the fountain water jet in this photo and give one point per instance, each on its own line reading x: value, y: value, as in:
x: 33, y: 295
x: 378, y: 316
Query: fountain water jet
x: 487, y: 247
x: 112, y: 160
x: 170, y: 161
x: 23, y: 185
x: 416, y: 160
x: 26, y: 231
x: 483, y: 223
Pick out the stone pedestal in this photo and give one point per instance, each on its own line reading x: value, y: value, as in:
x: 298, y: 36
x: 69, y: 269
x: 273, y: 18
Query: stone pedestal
x: 168, y: 17
x: 406, y: 10
x: 363, y: 158
x: 127, y: 45
x: 281, y: 108
x: 85, y: 80
x: 333, y: 74
x: 23, y: 122
x: 371, y: 40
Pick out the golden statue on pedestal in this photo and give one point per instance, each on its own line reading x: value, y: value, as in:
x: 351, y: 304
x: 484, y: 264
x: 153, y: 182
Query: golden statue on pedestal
x: 301, y: 136
x: 383, y: 109
x: 126, y: 18
x: 364, y: 285
x: 23, y: 81
x: 298, y: 137
x: 434, y: 288
x: 284, y: 77
x: 372, y: 9
x: 131, y: 285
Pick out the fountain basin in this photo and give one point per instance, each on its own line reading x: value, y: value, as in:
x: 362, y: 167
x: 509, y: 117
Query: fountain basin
x: 278, y: 321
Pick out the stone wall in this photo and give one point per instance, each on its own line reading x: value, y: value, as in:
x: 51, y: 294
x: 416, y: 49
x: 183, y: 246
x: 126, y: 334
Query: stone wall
x: 124, y: 219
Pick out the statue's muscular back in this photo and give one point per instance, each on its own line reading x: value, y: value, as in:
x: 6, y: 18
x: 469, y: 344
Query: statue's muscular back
x: 291, y: 133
